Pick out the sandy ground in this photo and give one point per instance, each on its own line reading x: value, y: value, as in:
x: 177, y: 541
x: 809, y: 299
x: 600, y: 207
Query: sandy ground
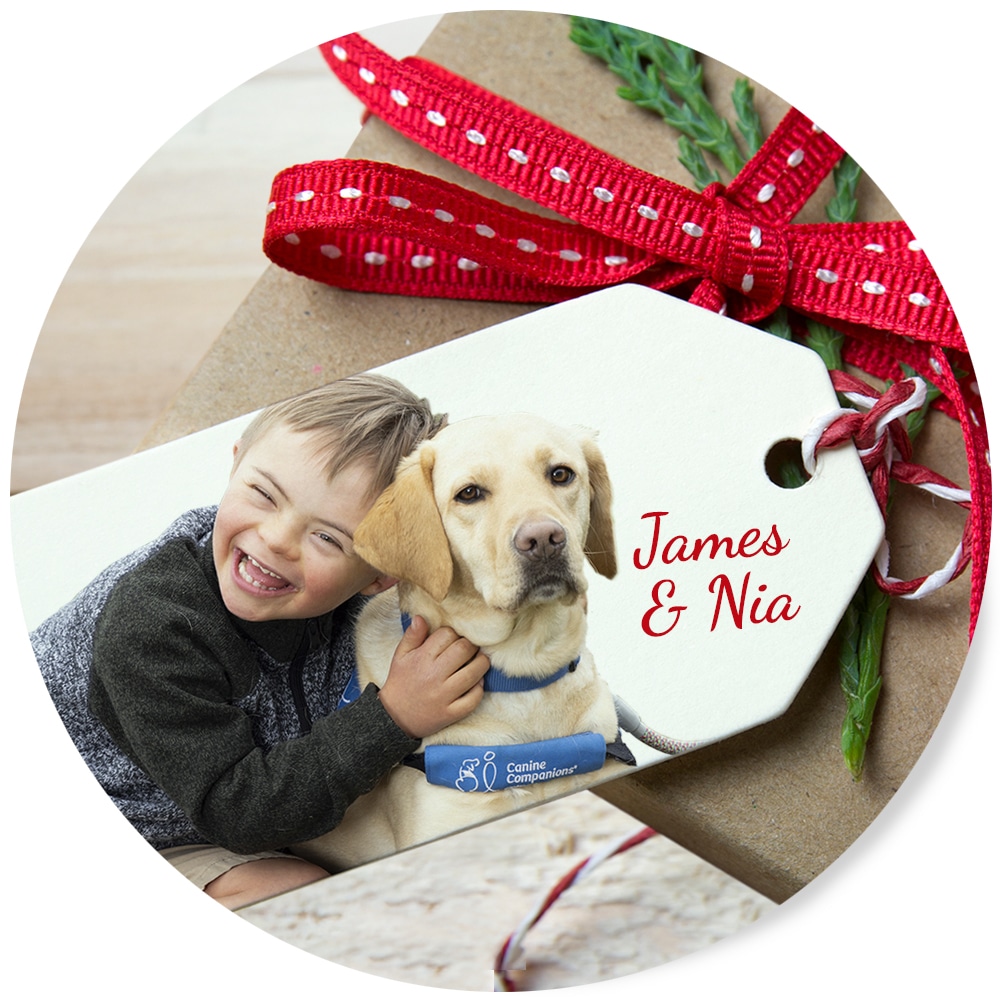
x: 438, y: 915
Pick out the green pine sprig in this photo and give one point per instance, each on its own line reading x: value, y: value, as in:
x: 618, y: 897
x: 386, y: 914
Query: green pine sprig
x: 666, y: 77
x: 747, y: 119
x: 916, y: 419
x: 779, y: 324
x: 862, y: 631
x: 693, y: 161
x: 843, y: 206
x: 826, y: 343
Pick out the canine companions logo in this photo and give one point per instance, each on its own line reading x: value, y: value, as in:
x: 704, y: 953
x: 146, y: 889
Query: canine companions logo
x: 469, y: 780
x: 488, y: 769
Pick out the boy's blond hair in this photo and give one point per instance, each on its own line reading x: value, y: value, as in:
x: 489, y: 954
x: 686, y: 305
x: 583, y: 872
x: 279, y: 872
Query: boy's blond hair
x: 364, y: 418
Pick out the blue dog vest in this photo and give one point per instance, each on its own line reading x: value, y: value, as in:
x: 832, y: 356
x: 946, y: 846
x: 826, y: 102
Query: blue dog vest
x: 491, y: 768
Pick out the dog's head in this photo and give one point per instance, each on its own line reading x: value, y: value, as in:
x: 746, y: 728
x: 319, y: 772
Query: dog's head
x: 508, y: 507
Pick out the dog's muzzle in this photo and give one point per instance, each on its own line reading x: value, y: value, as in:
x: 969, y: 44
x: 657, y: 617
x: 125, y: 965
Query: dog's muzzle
x: 542, y: 552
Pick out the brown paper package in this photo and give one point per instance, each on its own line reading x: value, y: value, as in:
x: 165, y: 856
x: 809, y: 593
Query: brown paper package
x: 773, y: 806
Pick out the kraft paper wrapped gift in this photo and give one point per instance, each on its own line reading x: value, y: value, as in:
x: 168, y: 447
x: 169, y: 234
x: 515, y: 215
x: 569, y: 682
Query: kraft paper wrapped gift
x: 773, y: 806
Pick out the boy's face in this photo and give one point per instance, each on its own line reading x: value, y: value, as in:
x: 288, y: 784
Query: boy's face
x: 283, y: 537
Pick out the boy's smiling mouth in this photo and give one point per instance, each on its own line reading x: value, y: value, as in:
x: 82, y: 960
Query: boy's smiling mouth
x: 254, y: 574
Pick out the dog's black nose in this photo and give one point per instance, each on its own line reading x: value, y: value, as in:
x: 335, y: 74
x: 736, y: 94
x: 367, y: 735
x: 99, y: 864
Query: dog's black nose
x: 539, y: 539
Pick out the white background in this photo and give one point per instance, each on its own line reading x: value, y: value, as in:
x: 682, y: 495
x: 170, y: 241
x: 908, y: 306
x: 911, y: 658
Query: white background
x: 907, y: 92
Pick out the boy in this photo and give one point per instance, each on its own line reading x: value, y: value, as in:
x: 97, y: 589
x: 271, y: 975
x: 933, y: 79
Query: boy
x: 199, y: 676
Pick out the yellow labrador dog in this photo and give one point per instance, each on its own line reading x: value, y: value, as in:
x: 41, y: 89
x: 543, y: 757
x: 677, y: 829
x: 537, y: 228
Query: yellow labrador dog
x: 488, y: 527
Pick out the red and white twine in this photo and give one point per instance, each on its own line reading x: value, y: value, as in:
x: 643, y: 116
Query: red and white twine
x: 878, y: 430
x: 510, y: 956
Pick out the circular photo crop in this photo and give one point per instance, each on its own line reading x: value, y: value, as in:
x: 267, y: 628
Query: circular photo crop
x: 501, y: 500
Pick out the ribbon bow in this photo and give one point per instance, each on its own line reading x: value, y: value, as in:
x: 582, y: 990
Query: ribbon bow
x: 378, y: 227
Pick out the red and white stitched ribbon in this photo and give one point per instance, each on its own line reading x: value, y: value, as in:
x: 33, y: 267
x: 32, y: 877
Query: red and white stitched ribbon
x: 377, y: 227
x: 884, y: 446
x: 384, y: 228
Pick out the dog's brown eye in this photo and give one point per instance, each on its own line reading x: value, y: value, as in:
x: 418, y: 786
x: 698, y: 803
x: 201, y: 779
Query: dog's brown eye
x: 561, y: 475
x: 469, y: 494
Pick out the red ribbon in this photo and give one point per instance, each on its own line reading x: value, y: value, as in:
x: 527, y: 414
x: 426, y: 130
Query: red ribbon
x: 377, y: 227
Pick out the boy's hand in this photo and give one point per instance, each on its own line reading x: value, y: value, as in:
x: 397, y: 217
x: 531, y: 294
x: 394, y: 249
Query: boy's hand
x: 435, y: 679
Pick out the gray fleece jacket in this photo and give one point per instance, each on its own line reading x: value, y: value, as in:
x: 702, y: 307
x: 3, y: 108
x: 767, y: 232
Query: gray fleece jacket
x: 203, y: 727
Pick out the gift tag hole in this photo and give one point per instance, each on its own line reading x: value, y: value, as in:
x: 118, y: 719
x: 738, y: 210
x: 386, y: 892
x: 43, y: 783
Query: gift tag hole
x: 783, y: 464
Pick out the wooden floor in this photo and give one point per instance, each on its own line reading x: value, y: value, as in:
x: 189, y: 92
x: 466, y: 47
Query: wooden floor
x: 169, y: 262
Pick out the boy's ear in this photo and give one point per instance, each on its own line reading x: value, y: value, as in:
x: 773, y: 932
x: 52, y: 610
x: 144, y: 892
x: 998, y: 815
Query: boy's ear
x: 236, y: 452
x: 380, y: 583
x: 402, y: 535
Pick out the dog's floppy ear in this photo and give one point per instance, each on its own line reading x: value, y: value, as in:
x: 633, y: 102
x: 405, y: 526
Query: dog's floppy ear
x: 402, y: 535
x: 600, y: 544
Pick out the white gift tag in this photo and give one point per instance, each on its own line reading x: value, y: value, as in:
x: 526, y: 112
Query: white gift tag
x: 728, y: 585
